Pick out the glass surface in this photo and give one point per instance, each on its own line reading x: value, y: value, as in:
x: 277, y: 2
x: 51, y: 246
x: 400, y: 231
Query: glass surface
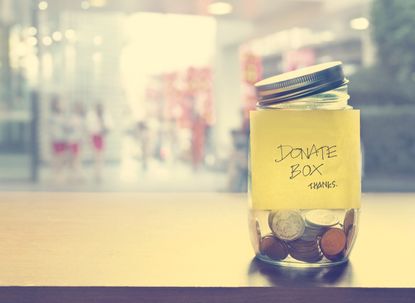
x: 307, y: 250
x: 302, y: 241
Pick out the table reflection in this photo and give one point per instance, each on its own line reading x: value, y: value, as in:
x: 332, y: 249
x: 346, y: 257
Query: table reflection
x: 260, y: 272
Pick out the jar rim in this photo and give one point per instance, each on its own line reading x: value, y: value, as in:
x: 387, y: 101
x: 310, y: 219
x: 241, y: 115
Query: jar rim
x: 300, y: 83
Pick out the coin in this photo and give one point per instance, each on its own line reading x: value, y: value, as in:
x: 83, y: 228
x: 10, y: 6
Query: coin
x: 303, y: 243
x: 307, y: 258
x: 350, y: 238
x: 270, y: 215
x: 287, y: 224
x: 305, y: 247
x: 349, y: 219
x: 333, y: 243
x: 310, y: 256
x: 273, y: 248
x: 306, y: 251
x: 255, y: 232
x: 321, y: 217
x: 311, y: 233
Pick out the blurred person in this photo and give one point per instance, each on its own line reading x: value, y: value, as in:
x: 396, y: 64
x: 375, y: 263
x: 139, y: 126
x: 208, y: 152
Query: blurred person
x: 141, y: 134
x: 99, y: 124
x: 76, y: 134
x: 198, y: 139
x: 238, y: 162
x: 58, y: 135
x: 170, y: 146
x: 129, y: 149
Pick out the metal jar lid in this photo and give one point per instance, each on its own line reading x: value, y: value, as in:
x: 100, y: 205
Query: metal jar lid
x: 300, y: 83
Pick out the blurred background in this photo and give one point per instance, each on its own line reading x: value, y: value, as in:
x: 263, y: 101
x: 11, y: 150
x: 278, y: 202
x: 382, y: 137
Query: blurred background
x: 154, y: 95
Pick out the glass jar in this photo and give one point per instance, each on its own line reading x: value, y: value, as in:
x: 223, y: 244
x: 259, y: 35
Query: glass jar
x: 304, y: 177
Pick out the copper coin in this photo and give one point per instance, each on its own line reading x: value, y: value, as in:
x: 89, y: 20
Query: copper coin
x: 299, y: 243
x: 305, y: 254
x: 273, y: 248
x: 333, y: 243
x: 337, y: 257
x: 309, y: 258
x: 349, y: 219
x: 306, y: 251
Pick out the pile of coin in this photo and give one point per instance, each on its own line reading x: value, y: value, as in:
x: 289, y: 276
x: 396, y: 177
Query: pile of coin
x: 306, y: 251
x: 307, y: 236
x: 317, y: 221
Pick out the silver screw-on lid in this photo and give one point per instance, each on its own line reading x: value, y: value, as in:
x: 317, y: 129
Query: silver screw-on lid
x: 300, y: 83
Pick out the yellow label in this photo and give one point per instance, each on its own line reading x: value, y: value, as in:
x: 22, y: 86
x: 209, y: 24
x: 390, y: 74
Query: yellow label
x: 305, y: 159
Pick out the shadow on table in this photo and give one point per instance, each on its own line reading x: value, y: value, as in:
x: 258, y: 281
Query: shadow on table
x: 260, y: 272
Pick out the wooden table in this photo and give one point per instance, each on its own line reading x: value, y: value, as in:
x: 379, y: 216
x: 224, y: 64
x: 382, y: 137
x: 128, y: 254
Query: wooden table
x: 134, y: 247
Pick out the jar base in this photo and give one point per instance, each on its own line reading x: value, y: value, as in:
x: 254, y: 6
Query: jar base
x: 299, y: 264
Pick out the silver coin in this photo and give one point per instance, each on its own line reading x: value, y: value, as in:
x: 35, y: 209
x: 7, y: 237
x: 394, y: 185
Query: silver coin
x: 255, y: 233
x: 287, y: 224
x: 308, y: 236
x: 270, y: 215
x: 311, y: 232
x: 321, y: 217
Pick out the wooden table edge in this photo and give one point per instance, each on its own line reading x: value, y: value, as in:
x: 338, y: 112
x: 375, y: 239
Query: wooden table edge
x: 80, y: 294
